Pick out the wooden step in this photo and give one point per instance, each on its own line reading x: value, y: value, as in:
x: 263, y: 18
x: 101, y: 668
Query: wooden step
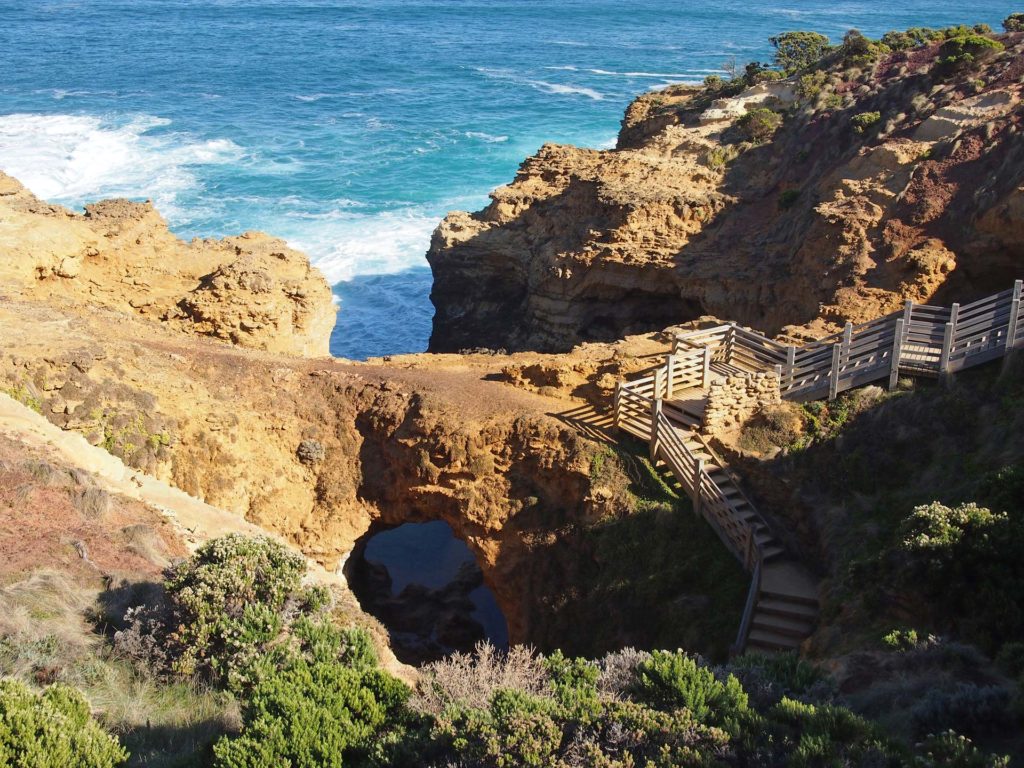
x: 789, y: 608
x: 798, y: 628
x: 772, y: 552
x: 765, y: 640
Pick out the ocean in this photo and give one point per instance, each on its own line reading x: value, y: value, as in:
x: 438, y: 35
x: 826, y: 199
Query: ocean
x: 348, y: 128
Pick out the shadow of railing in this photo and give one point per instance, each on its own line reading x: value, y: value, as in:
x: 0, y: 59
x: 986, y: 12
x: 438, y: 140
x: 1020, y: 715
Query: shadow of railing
x: 594, y: 422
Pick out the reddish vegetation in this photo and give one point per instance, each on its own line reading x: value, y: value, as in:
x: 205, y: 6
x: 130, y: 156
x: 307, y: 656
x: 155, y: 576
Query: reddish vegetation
x: 53, y: 517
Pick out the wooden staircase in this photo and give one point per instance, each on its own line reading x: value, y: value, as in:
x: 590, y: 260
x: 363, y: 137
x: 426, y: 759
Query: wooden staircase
x: 666, y: 407
x: 785, y: 610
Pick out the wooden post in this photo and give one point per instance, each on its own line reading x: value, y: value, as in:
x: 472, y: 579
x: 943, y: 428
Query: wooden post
x: 847, y: 338
x: 1011, y: 326
x: 705, y: 377
x: 655, y: 437
x: 908, y: 310
x: 659, y: 381
x: 833, y: 372
x: 947, y: 341
x: 897, y: 348
x: 670, y: 364
x: 698, y: 474
x: 790, y: 365
x: 618, y: 404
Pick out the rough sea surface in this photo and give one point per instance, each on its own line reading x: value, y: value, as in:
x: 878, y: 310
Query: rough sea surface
x: 351, y: 128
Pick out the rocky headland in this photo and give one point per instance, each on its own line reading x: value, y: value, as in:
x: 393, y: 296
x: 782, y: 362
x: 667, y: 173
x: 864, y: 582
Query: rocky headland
x: 889, y: 177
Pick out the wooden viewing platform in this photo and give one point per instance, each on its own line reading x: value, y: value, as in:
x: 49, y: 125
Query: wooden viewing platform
x: 666, y: 406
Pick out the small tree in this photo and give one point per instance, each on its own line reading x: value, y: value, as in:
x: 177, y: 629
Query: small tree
x: 54, y: 730
x: 795, y: 51
x: 1014, y: 22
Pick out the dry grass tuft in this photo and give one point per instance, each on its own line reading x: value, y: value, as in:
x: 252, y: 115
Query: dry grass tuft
x: 470, y: 679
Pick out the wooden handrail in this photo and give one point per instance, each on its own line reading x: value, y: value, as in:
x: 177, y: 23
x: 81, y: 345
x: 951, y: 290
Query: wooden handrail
x: 918, y: 339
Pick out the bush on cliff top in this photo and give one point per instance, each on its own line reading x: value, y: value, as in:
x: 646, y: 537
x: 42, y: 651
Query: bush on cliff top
x: 795, y: 51
x: 965, y: 560
x: 52, y: 730
x: 1014, y: 22
x: 224, y: 606
x: 964, y: 50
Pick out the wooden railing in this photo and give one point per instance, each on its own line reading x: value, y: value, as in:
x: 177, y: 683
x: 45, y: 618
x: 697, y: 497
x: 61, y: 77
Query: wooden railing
x: 645, y: 418
x: 921, y: 339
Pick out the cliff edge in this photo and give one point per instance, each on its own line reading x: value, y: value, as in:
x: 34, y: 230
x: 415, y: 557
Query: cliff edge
x: 833, y: 195
x: 250, y: 290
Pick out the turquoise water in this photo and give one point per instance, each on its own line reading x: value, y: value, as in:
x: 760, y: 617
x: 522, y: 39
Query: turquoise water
x: 351, y: 128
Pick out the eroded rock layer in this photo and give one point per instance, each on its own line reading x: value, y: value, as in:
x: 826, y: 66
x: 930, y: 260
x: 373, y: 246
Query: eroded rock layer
x: 842, y: 215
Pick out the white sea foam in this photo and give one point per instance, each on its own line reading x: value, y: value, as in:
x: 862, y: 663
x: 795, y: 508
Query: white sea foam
x: 311, y: 97
x: 637, y: 74
x: 486, y: 137
x: 344, y: 243
x: 76, y: 158
x: 541, y: 85
x: 571, y: 90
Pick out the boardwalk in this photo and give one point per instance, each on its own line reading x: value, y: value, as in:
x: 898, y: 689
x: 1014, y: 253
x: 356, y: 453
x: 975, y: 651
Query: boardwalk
x: 665, y: 407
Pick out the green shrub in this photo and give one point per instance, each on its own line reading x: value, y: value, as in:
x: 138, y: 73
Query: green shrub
x: 668, y: 681
x: 307, y: 708
x: 1010, y: 659
x: 864, y: 120
x: 755, y: 72
x: 759, y: 125
x: 901, y: 640
x: 1014, y: 22
x: 964, y: 562
x: 713, y: 82
x: 517, y: 730
x: 795, y: 51
x: 25, y: 395
x: 769, y: 679
x: 53, y: 730
x: 810, y: 736
x: 963, y: 51
x: 811, y: 84
x: 951, y: 750
x: 574, y: 681
x: 230, y: 600
x: 719, y: 157
x: 859, y: 50
x: 1003, y: 490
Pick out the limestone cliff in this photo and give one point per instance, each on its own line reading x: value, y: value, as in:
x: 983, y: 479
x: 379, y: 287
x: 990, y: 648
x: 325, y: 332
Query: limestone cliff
x: 251, y: 290
x: 842, y: 215
x: 99, y: 318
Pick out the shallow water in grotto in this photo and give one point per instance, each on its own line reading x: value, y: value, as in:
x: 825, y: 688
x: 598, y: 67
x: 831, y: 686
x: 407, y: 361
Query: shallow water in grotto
x: 424, y: 585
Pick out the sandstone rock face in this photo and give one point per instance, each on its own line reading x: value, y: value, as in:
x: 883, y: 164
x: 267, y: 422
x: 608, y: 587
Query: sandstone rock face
x: 320, y: 451
x: 823, y: 224
x: 251, y: 290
